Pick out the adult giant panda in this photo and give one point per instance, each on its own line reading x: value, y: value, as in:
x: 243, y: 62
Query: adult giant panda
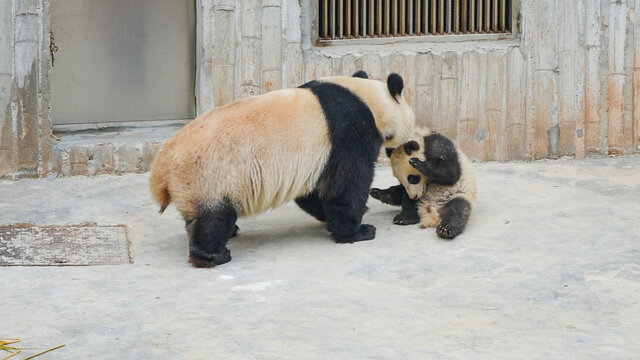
x: 315, y: 144
x: 438, y: 184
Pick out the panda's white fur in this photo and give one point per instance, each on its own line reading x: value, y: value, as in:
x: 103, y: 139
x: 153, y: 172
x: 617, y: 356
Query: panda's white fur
x: 432, y: 196
x: 263, y: 151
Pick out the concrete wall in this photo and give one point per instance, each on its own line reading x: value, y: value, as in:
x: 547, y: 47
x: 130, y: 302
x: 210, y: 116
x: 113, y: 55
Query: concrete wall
x: 566, y: 85
x: 25, y: 126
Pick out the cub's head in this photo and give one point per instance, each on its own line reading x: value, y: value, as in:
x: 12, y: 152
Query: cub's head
x: 413, y: 181
x: 394, y: 118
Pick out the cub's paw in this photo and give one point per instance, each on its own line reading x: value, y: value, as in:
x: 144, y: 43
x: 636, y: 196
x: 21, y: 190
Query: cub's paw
x: 382, y: 195
x: 416, y: 163
x: 448, y: 231
x: 405, y: 219
x: 209, y: 261
x: 366, y: 232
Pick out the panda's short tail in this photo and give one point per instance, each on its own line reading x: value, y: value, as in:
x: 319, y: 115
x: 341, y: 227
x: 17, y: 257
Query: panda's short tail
x: 160, y: 191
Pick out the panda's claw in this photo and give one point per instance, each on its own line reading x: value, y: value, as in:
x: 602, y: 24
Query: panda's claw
x: 447, y: 231
x: 382, y: 195
x: 376, y: 193
x: 406, y: 219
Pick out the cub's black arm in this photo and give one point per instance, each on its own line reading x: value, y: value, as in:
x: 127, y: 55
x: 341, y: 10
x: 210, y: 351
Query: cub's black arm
x: 438, y: 172
x: 391, y: 196
x: 396, y: 195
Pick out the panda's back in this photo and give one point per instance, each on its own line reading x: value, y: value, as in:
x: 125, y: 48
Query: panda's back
x: 259, y: 152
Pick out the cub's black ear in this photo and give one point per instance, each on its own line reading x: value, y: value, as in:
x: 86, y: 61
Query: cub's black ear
x: 361, y: 74
x: 411, y: 146
x: 395, y: 85
x: 388, y: 151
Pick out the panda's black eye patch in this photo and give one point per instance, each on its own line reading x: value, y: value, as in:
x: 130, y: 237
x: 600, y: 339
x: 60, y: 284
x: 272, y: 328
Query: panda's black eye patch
x: 411, y: 146
x: 388, y: 151
x: 413, y: 179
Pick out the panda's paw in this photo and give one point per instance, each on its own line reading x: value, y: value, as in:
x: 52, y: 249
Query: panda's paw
x: 381, y: 195
x: 235, y: 231
x: 448, y: 231
x: 209, y: 261
x: 406, y: 219
x: 366, y: 232
x: 418, y: 164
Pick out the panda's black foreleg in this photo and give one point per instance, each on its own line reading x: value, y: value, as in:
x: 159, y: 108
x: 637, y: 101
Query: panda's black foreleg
x: 312, y: 205
x: 409, y: 214
x: 344, y: 218
x: 209, y: 234
x: 455, y: 215
x: 396, y: 195
x: 391, y: 196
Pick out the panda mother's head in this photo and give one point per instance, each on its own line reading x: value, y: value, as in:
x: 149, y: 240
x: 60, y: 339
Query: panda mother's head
x: 413, y: 181
x: 394, y: 118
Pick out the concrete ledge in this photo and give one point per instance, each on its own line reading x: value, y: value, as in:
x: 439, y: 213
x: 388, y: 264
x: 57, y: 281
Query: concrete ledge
x: 112, y: 150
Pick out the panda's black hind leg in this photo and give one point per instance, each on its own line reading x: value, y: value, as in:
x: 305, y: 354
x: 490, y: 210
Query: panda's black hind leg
x: 235, y: 231
x: 210, y: 232
x: 455, y: 215
x: 344, y: 217
x: 312, y: 205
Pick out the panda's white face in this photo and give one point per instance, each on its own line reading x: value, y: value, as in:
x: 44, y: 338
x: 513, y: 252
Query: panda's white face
x: 413, y: 181
x: 415, y: 185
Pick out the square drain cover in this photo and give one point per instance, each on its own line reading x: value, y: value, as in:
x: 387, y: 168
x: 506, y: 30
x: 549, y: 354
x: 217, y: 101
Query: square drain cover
x: 28, y: 245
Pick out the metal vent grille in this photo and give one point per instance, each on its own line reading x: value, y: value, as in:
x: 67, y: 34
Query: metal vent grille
x: 357, y: 19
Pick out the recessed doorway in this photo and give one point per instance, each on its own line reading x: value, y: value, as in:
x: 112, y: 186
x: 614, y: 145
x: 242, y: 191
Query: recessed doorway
x: 122, y: 61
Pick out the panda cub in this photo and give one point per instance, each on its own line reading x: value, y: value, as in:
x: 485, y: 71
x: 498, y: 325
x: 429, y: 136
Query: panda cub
x: 438, y: 184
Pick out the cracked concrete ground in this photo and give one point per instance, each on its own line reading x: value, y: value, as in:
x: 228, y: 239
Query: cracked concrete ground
x: 548, y: 268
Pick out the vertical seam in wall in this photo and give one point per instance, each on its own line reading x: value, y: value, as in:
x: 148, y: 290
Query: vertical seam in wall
x: 13, y: 101
x: 237, y: 70
x: 503, y: 136
x: 45, y: 146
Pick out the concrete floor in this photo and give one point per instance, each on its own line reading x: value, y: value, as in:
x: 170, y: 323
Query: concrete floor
x: 548, y: 268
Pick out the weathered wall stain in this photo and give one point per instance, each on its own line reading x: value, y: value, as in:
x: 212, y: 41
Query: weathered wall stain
x: 564, y: 87
x: 25, y: 128
x: 554, y: 135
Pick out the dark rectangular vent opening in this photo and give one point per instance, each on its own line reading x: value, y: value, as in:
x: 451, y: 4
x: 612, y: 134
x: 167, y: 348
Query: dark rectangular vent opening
x: 357, y: 19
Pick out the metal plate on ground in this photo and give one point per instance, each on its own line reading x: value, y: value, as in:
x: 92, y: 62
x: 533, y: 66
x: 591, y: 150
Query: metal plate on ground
x: 29, y: 245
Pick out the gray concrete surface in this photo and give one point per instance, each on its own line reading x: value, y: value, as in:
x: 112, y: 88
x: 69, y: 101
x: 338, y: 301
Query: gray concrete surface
x: 548, y: 268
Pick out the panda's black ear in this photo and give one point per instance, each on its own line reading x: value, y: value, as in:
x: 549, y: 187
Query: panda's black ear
x: 411, y: 146
x: 360, y: 74
x: 395, y: 85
